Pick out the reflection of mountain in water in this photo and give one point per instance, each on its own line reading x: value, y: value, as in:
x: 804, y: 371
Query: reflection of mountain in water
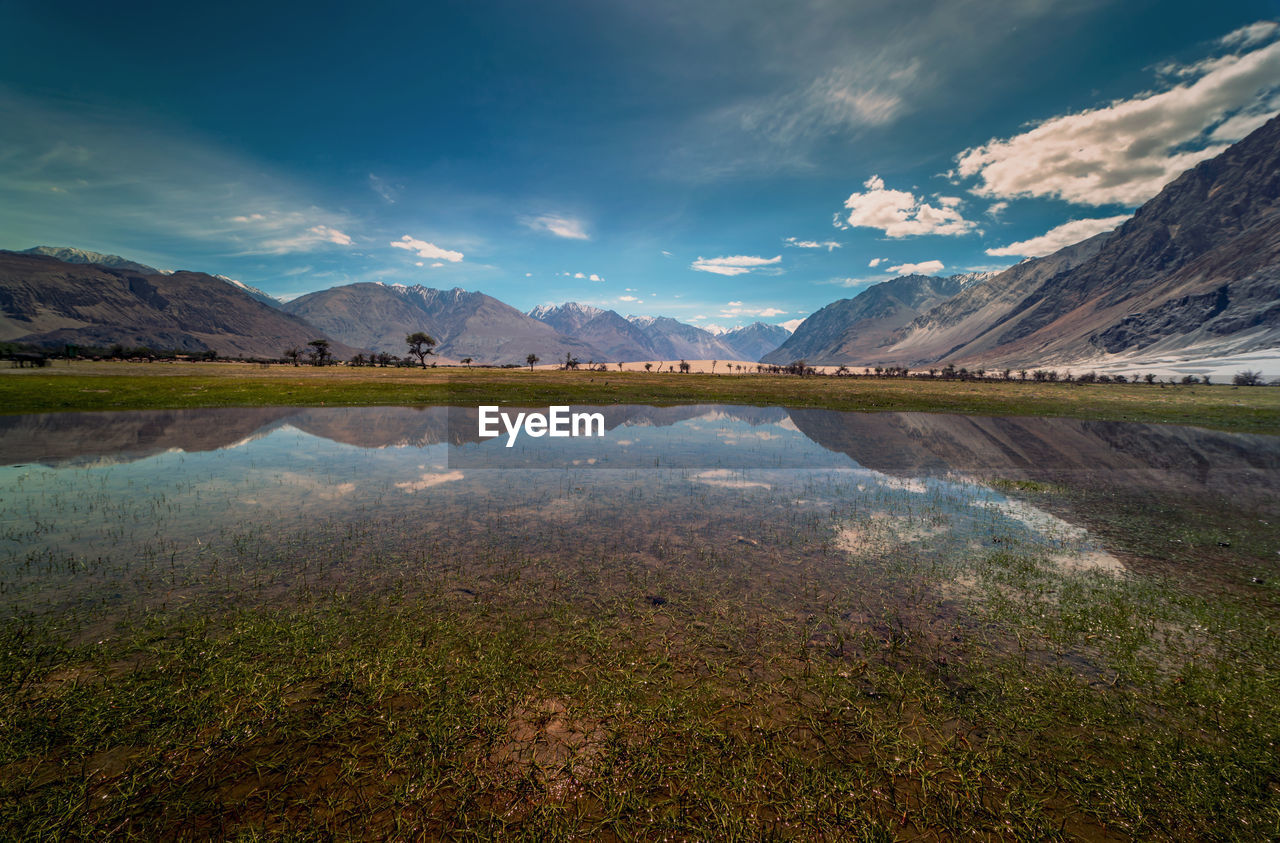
x: 1043, y: 448
x: 908, y: 444
x: 68, y: 439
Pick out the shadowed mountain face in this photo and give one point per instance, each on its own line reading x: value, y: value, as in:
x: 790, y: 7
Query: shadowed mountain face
x: 966, y: 320
x: 49, y: 302
x: 1143, y: 456
x: 852, y: 330
x: 672, y: 340
x: 379, y: 317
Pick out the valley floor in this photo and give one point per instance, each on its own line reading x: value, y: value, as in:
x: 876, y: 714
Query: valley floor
x: 124, y: 386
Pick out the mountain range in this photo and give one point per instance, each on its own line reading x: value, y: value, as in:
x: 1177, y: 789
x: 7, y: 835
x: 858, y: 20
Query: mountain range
x: 1194, y: 272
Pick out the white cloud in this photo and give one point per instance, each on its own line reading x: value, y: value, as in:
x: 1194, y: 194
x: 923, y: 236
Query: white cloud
x: 306, y: 240
x: 996, y: 209
x: 1125, y: 152
x: 852, y: 282
x: 876, y: 262
x: 1055, y: 238
x: 922, y: 268
x: 426, y: 481
x: 436, y: 265
x: 736, y: 308
x: 579, y: 275
x: 791, y: 324
x: 813, y: 244
x: 628, y: 298
x: 666, y: 254
x: 567, y: 227
x: 733, y: 264
x: 425, y: 250
x: 898, y: 213
x: 594, y: 277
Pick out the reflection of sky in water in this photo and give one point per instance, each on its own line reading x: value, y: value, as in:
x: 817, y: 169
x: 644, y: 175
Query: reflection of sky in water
x: 286, y: 479
x: 713, y: 439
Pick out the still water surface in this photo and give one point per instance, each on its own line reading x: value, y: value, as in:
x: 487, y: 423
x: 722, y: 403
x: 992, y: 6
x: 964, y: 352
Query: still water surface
x: 140, y: 508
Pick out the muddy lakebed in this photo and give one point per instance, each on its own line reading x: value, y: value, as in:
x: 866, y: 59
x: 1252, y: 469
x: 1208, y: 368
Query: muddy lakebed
x: 710, y: 621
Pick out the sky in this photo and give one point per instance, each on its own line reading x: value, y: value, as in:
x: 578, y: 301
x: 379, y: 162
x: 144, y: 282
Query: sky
x: 719, y: 161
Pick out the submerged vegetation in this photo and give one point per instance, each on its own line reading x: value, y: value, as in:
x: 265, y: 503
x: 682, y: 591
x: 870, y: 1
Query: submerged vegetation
x: 679, y: 653
x: 108, y: 386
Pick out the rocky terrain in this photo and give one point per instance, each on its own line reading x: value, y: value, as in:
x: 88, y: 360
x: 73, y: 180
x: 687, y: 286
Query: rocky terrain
x: 464, y: 324
x: 49, y: 302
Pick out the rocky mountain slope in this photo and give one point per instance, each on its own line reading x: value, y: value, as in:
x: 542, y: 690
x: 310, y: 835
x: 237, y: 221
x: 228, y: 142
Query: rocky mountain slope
x: 379, y: 316
x: 1196, y: 268
x: 50, y: 302
x: 752, y: 342
x: 852, y: 330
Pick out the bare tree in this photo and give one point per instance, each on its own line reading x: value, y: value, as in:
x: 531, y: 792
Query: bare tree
x: 293, y: 354
x: 531, y: 359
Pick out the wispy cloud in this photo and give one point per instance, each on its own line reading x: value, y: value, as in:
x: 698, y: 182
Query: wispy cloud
x: 829, y: 245
x: 89, y: 175
x: 561, y: 226
x: 734, y: 264
x: 389, y: 192
x: 1072, y: 231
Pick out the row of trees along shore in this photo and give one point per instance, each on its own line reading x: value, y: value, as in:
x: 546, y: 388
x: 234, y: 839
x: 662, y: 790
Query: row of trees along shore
x: 420, y: 345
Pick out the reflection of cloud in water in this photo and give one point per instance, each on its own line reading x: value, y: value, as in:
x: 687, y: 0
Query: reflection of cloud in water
x: 1081, y: 557
x: 426, y: 481
x: 728, y: 479
x: 731, y: 437
x: 314, y: 486
x: 903, y: 484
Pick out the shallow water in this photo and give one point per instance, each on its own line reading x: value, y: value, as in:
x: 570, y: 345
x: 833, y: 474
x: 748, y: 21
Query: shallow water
x: 132, y: 509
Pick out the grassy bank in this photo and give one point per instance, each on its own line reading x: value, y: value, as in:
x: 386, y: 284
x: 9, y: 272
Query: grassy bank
x: 135, y: 386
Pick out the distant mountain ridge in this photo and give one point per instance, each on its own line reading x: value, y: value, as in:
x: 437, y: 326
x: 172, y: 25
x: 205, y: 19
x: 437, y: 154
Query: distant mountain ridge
x: 464, y: 324
x: 72, y: 255
x: 618, y: 339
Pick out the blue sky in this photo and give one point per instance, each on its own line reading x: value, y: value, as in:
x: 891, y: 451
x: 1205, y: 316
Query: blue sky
x: 717, y: 162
